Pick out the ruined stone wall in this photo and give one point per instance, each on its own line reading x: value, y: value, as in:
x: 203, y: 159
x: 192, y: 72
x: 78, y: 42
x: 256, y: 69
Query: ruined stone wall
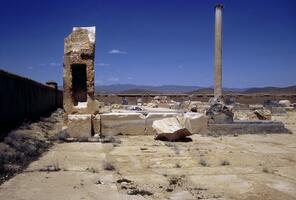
x: 79, y: 52
x: 241, y: 98
x: 24, y: 99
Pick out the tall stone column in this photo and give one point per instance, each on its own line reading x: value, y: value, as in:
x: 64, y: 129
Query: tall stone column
x: 218, y: 51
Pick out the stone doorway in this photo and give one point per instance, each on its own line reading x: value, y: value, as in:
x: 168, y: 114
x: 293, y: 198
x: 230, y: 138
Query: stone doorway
x: 79, y: 92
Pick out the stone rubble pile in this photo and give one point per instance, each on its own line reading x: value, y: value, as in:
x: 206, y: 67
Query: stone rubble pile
x: 219, y: 113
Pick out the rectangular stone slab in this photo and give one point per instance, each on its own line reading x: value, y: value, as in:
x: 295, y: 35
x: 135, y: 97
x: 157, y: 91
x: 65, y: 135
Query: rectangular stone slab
x: 247, y: 127
x: 122, y: 124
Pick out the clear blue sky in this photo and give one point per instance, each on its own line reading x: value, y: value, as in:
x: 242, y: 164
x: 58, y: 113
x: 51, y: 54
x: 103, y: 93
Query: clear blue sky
x: 154, y: 42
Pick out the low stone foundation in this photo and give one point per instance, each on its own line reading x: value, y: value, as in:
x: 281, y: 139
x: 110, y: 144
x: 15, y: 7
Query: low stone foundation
x: 247, y: 127
x: 122, y: 124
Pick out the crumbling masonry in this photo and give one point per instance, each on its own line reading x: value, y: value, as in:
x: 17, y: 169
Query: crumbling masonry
x: 79, y: 103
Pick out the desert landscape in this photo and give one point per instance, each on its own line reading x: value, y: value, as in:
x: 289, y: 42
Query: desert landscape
x: 70, y: 136
x: 244, y: 166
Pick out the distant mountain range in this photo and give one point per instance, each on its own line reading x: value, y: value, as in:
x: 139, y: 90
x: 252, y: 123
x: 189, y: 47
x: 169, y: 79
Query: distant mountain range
x: 128, y: 88
x: 273, y: 90
x: 176, y: 89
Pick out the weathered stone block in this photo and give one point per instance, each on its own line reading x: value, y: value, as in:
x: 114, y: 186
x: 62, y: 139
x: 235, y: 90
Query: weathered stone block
x: 194, y: 122
x: 285, y: 103
x: 151, y: 117
x: 79, y: 125
x: 79, y: 51
x: 218, y: 112
x: 122, y: 123
x: 167, y: 125
x: 263, y: 114
x: 247, y: 127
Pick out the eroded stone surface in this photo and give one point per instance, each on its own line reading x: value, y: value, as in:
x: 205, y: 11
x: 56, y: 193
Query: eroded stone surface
x: 194, y: 122
x: 79, y: 51
x: 151, y: 117
x: 79, y: 125
x: 122, y: 123
x: 167, y: 125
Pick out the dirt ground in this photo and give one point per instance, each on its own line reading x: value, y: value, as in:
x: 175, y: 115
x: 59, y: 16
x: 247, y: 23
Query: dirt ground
x: 138, y: 167
x: 23, y: 145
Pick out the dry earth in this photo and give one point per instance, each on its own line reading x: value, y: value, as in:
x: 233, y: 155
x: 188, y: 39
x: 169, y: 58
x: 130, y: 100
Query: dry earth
x: 138, y: 167
x: 25, y: 144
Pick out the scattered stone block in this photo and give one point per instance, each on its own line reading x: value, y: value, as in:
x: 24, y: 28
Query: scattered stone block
x: 122, y: 123
x: 152, y: 105
x: 79, y: 125
x: 255, y: 106
x: 174, y: 106
x: 167, y: 125
x: 263, y: 114
x: 285, y: 103
x: 151, y: 117
x: 244, y: 115
x: 194, y: 104
x: 219, y: 113
x: 194, y: 122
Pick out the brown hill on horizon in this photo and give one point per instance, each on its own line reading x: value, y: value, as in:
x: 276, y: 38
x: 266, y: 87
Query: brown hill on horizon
x: 139, y: 91
x: 272, y: 90
x: 211, y: 91
x: 263, y: 90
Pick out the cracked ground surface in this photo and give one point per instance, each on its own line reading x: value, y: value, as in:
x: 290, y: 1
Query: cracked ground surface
x: 228, y: 167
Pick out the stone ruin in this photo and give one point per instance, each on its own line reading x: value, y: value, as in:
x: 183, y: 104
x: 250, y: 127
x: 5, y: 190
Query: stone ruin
x: 82, y: 112
x: 80, y: 107
x: 79, y: 52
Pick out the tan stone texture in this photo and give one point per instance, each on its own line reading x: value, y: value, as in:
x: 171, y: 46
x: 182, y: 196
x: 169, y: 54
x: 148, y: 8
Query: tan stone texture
x: 79, y: 48
x: 79, y: 125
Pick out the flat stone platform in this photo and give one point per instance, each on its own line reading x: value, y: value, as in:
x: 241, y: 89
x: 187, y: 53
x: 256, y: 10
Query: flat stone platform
x: 248, y: 167
x: 247, y: 127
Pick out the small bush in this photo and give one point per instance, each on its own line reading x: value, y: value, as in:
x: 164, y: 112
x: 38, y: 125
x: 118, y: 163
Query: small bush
x: 178, y: 165
x: 140, y: 192
x: 203, y: 162
x: 225, y: 162
x: 92, y: 170
x: 173, y: 181
x: 265, y: 170
x: 109, y: 166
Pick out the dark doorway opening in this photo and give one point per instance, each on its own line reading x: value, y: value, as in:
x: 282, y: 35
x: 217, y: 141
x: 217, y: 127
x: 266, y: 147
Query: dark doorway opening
x: 79, y: 83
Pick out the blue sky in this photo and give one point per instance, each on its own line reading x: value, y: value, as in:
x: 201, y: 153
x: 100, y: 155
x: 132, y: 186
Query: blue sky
x: 154, y: 42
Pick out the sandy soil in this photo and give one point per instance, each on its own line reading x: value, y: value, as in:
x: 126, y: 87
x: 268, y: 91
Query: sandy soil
x: 138, y: 167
